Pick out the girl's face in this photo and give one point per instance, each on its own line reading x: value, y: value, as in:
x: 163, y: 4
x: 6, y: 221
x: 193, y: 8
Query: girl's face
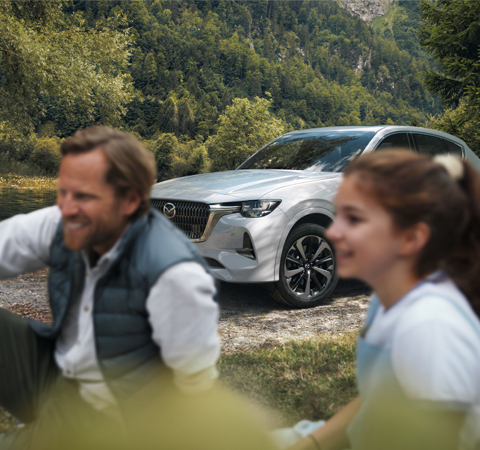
x: 368, y: 246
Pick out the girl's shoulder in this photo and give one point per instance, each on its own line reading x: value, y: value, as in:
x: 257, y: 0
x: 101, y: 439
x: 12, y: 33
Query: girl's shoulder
x: 437, y: 301
x: 432, y: 307
x: 436, y: 345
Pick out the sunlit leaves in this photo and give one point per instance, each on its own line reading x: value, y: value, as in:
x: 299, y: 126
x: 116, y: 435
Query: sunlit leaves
x: 44, y: 52
x: 244, y: 128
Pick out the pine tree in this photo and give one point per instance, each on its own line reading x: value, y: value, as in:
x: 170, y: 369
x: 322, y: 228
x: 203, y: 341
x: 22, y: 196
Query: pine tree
x: 451, y: 33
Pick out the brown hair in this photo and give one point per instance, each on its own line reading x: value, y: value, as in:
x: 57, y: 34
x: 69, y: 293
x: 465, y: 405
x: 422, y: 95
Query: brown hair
x: 130, y: 165
x: 415, y: 188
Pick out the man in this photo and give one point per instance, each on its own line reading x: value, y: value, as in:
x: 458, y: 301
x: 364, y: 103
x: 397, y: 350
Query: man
x: 131, y: 299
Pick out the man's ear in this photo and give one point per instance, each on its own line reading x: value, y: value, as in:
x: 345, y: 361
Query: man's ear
x: 415, y: 238
x: 130, y: 202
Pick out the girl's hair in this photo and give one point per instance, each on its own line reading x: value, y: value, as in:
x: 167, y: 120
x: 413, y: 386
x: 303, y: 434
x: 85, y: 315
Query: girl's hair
x: 415, y: 188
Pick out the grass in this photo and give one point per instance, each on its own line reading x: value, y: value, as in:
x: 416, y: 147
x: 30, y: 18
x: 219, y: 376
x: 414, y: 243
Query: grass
x: 24, y: 175
x: 27, y: 182
x: 300, y: 380
x: 386, y: 21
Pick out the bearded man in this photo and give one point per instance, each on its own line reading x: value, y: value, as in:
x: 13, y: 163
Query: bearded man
x: 132, y: 301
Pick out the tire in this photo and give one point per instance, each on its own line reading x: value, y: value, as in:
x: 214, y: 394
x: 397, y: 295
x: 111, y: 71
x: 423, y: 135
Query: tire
x: 307, y: 268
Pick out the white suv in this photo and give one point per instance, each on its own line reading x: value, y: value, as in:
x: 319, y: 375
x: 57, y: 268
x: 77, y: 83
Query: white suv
x: 265, y: 221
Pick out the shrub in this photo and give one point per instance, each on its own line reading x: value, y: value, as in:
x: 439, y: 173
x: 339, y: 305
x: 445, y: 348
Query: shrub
x: 46, y: 156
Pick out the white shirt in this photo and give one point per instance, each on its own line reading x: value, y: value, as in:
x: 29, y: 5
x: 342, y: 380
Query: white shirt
x: 435, y: 349
x: 182, y: 314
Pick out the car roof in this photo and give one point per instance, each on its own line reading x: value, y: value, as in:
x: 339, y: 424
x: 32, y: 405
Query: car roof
x: 384, y: 129
x: 374, y: 129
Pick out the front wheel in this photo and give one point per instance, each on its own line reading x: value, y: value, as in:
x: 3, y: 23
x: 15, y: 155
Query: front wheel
x: 307, y: 268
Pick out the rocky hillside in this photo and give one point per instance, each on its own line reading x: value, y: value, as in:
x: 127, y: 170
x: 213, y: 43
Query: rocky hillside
x: 367, y: 10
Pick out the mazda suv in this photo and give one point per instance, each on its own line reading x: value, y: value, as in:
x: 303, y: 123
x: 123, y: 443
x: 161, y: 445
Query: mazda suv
x: 265, y: 221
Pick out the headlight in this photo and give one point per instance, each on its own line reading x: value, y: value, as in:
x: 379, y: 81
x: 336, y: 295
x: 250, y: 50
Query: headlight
x: 258, y: 208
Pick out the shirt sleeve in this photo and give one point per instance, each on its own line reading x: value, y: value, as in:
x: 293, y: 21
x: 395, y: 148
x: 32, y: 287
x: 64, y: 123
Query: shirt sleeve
x: 184, y: 316
x: 25, y: 241
x: 437, y: 361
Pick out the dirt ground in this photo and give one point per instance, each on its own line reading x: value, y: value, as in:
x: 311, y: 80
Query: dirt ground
x: 249, y: 317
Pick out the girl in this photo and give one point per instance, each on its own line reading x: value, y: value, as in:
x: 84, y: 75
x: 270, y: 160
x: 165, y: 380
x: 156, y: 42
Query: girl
x: 409, y: 226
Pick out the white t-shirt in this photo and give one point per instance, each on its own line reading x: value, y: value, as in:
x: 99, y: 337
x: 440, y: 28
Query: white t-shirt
x: 434, y: 338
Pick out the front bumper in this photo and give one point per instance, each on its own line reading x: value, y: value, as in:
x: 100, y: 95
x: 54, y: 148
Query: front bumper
x: 225, y: 249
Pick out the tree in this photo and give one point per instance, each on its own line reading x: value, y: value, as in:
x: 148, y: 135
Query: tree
x: 162, y: 149
x: 451, y: 33
x: 45, y: 52
x: 243, y: 129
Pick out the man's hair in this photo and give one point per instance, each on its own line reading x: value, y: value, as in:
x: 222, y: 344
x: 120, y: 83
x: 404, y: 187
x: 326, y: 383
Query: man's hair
x: 130, y: 165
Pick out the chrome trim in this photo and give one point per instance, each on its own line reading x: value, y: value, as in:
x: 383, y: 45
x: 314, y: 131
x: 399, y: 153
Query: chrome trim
x: 216, y: 213
x: 195, y: 217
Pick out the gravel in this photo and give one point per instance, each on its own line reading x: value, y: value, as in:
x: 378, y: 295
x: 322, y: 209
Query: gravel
x: 249, y: 316
x: 29, y: 289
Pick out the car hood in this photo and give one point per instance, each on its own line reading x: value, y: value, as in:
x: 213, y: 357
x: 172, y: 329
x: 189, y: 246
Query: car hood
x: 233, y: 185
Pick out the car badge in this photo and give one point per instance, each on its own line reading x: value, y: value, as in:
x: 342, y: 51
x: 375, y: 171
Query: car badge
x: 169, y: 210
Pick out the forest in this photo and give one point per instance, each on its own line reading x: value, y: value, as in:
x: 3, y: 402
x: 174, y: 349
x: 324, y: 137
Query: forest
x: 177, y: 74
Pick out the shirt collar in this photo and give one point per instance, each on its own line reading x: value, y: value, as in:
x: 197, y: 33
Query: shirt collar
x: 105, y: 260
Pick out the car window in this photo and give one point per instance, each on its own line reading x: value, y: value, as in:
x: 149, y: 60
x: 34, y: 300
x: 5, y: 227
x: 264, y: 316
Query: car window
x: 397, y: 140
x: 452, y: 148
x: 428, y: 145
x: 324, y: 152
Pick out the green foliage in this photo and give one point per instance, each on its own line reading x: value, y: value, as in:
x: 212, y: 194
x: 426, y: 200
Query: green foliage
x: 49, y: 55
x: 46, y: 156
x: 174, y: 67
x: 189, y: 158
x: 14, y: 144
x: 321, y: 65
x: 177, y: 158
x: 162, y: 149
x: 244, y: 128
x: 451, y: 33
x: 311, y: 379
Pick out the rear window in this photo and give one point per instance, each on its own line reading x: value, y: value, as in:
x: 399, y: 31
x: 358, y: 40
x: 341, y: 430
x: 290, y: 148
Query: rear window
x: 428, y: 145
x: 452, y: 148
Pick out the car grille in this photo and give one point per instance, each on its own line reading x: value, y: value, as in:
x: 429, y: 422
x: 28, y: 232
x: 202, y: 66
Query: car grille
x: 190, y: 217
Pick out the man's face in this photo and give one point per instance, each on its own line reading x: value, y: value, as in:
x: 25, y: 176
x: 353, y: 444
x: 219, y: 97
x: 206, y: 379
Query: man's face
x: 94, y: 217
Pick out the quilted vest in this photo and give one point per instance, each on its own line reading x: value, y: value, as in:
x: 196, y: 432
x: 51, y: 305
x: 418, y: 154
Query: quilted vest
x: 127, y: 355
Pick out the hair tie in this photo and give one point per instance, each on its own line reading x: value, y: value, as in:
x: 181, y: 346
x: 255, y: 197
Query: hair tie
x: 452, y: 164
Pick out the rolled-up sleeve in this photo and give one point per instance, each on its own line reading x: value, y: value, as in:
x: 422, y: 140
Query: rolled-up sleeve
x: 25, y: 241
x: 184, y: 316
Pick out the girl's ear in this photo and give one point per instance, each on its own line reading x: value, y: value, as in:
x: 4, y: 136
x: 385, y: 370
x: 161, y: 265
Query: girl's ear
x: 414, y: 239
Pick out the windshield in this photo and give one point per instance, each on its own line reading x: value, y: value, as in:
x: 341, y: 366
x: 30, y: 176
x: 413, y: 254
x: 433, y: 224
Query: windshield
x: 326, y: 152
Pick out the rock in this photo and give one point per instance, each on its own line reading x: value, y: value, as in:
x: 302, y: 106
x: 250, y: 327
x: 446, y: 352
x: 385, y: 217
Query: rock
x: 367, y: 10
